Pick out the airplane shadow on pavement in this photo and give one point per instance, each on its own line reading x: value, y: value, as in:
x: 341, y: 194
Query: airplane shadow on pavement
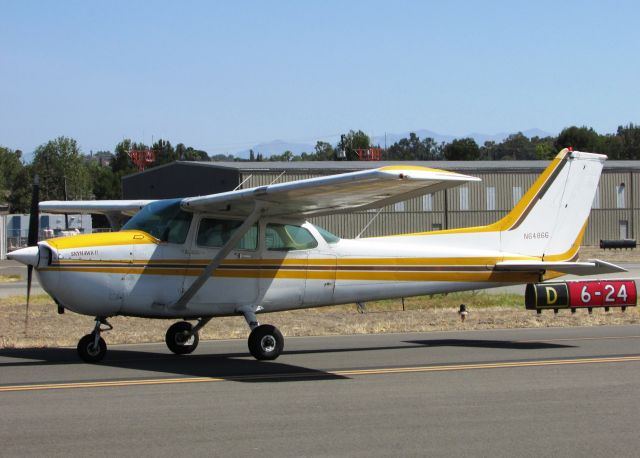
x: 475, y: 343
x: 232, y: 366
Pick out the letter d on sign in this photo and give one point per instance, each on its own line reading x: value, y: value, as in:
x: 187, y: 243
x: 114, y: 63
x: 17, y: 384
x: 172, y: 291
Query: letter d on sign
x: 547, y: 296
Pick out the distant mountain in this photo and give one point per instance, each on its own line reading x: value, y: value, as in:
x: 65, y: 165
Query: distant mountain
x: 280, y: 146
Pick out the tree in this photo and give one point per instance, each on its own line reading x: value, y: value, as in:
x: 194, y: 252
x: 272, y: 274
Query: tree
x: 579, y: 138
x: 287, y: 156
x: 59, y: 163
x: 516, y: 146
x: 20, y: 197
x: 463, y: 149
x: 106, y: 184
x: 121, y: 164
x: 630, y: 141
x: 188, y: 153
x: 544, y: 147
x: 323, y: 152
x: 222, y: 158
x: 165, y: 153
x: 412, y: 148
x: 10, y: 167
x: 353, y: 141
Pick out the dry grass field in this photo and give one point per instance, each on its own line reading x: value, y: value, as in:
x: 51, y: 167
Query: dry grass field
x: 46, y: 328
x: 593, y: 252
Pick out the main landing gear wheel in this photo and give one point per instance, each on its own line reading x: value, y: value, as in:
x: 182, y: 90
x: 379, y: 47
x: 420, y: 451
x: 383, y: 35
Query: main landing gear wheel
x: 89, y: 350
x: 181, y: 339
x: 266, y: 342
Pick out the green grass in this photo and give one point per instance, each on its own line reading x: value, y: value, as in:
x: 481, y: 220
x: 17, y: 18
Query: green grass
x: 453, y: 300
x: 473, y: 300
x: 9, y: 278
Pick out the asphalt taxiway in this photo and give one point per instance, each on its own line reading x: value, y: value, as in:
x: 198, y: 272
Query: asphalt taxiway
x: 521, y: 392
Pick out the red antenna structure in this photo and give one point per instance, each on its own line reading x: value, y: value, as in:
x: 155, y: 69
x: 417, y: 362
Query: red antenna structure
x: 142, y: 158
x: 369, y: 154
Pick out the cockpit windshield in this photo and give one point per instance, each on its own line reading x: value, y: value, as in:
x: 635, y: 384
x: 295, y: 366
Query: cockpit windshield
x: 164, y: 220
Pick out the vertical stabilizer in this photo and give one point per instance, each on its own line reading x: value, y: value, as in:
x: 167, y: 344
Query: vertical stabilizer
x: 549, y: 221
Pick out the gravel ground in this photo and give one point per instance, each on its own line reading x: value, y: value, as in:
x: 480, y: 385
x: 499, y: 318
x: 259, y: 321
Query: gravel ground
x: 46, y: 328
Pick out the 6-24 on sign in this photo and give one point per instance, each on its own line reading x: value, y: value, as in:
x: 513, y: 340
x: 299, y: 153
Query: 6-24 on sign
x: 601, y: 293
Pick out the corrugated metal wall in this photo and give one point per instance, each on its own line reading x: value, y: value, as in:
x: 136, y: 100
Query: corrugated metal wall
x: 612, y: 217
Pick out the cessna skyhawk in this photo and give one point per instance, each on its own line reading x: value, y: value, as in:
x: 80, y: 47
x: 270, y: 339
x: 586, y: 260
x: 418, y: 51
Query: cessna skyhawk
x: 249, y: 251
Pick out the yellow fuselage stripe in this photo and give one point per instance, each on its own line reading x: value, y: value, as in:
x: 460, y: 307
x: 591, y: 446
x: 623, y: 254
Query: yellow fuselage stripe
x: 355, y: 275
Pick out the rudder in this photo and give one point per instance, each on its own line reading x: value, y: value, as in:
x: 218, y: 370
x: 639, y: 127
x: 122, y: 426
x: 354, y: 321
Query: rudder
x: 550, y: 219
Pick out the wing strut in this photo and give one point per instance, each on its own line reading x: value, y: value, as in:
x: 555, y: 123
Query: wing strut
x: 218, y: 258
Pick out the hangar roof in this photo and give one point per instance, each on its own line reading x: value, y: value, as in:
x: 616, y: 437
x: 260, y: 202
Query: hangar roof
x: 345, y: 166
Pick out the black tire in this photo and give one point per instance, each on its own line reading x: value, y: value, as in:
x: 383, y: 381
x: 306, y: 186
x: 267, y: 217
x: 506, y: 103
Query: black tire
x: 266, y: 342
x: 87, y: 349
x: 180, y: 339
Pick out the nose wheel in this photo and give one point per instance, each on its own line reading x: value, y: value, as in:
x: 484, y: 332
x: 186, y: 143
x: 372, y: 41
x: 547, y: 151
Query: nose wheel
x: 92, y: 348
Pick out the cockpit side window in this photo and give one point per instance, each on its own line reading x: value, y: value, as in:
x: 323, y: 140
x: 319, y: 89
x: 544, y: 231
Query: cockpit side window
x: 327, y: 236
x: 215, y: 233
x: 164, y: 220
x: 285, y: 237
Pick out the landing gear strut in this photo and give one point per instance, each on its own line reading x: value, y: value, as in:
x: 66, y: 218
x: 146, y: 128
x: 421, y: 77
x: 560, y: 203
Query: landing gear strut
x: 92, y: 347
x: 265, y: 341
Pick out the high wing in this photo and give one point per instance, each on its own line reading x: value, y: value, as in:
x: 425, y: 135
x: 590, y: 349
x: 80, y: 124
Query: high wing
x: 591, y: 267
x: 103, y: 207
x: 116, y: 211
x: 352, y: 191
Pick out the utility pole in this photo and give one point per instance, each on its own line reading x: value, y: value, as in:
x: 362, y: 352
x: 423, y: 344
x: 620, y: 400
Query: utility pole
x: 66, y: 216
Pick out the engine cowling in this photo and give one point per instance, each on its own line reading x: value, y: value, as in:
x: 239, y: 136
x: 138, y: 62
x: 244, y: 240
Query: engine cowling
x: 581, y: 294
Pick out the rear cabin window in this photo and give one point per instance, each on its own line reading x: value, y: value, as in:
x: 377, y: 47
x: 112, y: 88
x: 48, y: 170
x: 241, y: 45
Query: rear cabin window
x: 285, y: 237
x: 214, y: 233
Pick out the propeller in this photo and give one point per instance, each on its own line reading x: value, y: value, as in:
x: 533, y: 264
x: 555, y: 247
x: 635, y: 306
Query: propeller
x: 32, y: 239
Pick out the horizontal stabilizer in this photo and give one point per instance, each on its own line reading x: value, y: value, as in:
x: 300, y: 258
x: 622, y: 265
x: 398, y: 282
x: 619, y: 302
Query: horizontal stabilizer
x: 590, y: 267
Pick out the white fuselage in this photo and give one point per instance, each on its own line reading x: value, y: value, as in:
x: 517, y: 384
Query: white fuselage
x: 130, y: 273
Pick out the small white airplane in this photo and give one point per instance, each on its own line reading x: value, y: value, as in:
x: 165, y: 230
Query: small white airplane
x: 251, y: 250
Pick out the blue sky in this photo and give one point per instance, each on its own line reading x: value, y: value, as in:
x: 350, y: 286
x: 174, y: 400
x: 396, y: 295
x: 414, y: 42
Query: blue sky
x: 223, y: 76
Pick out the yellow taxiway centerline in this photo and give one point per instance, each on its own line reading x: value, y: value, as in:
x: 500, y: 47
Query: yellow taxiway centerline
x: 318, y: 374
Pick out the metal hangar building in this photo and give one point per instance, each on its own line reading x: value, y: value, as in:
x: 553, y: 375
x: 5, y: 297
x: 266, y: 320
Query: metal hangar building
x: 614, y: 215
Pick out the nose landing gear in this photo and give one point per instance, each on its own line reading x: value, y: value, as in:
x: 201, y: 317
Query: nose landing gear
x: 92, y: 347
